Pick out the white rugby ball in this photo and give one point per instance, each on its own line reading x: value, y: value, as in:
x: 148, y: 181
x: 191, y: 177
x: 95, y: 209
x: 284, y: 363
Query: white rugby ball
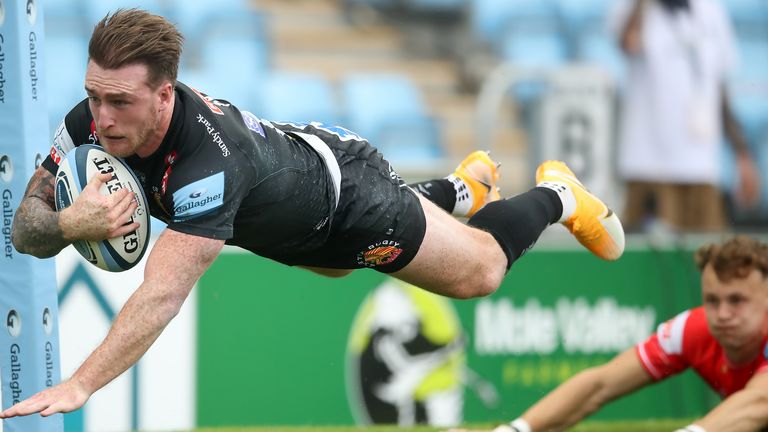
x: 119, y: 253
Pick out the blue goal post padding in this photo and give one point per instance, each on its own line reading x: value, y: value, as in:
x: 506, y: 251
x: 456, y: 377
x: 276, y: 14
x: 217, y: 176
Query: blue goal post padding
x: 29, y: 340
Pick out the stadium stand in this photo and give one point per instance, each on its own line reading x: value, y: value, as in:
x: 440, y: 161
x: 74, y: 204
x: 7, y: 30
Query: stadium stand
x: 538, y: 46
x: 594, y: 45
x: 388, y: 110
x: 583, y: 15
x: 298, y: 97
x: 491, y: 18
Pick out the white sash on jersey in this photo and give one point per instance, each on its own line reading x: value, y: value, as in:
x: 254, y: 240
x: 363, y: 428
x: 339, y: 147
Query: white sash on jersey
x: 330, y: 161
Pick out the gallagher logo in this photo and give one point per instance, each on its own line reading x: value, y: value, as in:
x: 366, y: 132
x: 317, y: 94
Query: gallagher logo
x: 31, y: 12
x: 13, y: 323
x: 380, y: 253
x: 6, y: 168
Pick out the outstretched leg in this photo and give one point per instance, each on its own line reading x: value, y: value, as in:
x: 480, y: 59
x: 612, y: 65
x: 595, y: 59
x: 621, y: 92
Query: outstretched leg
x: 463, y: 261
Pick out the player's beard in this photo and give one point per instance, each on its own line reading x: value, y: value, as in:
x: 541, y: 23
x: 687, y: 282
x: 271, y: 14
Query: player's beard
x: 148, y: 129
x: 138, y: 140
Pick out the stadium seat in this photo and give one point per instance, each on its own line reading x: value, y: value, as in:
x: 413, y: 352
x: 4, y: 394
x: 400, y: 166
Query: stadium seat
x: 747, y: 13
x: 388, y: 110
x: 491, y: 18
x: 232, y: 53
x: 294, y: 97
x: 539, y: 47
x: 97, y: 9
x: 233, y: 65
x: 193, y: 17
x: 583, y: 15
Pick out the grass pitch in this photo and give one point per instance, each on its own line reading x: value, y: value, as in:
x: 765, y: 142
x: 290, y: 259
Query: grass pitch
x: 589, y: 426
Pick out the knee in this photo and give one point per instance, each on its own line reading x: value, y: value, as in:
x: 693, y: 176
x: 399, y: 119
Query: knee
x: 478, y: 284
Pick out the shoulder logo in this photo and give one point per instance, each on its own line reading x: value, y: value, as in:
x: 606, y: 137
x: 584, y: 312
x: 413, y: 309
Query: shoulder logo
x: 210, y: 102
x: 252, y: 122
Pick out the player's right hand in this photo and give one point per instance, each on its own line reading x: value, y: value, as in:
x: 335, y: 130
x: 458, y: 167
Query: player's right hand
x: 61, y: 398
x: 93, y: 216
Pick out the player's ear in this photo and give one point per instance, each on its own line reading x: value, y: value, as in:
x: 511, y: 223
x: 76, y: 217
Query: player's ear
x: 166, y: 94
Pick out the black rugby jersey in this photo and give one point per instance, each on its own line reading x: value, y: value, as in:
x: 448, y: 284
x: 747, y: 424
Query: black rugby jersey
x: 225, y: 174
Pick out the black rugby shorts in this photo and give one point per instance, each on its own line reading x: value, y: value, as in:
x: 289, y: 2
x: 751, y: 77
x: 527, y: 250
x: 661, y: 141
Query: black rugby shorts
x: 378, y: 223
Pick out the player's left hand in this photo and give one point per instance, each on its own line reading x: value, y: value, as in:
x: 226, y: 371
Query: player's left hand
x: 65, y: 397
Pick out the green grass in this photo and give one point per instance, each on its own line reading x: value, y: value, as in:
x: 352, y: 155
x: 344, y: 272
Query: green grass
x: 589, y: 426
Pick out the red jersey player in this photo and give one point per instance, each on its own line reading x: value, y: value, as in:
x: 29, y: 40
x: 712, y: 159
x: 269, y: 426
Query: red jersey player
x: 724, y: 341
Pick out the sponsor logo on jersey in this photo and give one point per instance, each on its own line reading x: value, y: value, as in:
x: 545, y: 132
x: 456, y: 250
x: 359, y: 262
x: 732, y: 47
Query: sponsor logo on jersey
x: 170, y: 158
x: 379, y: 253
x: 215, y: 135
x: 252, y: 122
x: 211, y: 103
x: 62, y: 143
x: 93, y: 137
x: 198, y: 198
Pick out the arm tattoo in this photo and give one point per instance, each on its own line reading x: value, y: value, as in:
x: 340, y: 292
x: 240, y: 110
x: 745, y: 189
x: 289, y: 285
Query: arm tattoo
x: 36, y: 224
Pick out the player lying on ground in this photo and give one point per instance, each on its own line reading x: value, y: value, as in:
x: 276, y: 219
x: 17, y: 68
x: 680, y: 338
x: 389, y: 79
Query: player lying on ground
x: 303, y: 195
x: 725, y: 341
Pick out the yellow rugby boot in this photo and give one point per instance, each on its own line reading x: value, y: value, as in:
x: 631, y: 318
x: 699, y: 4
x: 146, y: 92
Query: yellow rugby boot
x: 479, y: 174
x: 592, y: 223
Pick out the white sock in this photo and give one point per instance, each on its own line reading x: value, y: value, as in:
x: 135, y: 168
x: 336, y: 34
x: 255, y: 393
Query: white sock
x: 464, y: 199
x: 566, y: 197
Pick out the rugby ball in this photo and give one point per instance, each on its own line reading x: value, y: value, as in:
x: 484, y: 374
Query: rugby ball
x: 119, y: 253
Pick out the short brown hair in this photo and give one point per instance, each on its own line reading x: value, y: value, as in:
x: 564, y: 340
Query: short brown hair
x: 131, y: 36
x: 735, y: 258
